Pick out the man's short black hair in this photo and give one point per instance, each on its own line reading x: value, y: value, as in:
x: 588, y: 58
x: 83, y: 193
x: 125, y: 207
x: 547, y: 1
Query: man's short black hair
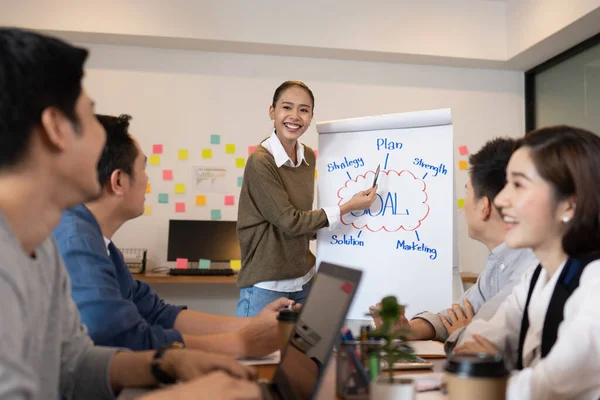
x: 36, y: 72
x: 488, y: 167
x: 119, y: 151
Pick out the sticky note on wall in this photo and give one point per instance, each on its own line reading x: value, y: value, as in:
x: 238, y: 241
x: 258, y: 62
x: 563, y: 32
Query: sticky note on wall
x: 148, y: 188
x: 229, y: 200
x: 180, y: 188
x: 167, y: 174
x: 235, y: 265
x: 461, y: 203
x: 251, y: 149
x: 463, y: 150
x: 240, y: 181
x: 180, y: 207
x: 215, y: 214
x: 230, y: 148
x: 206, y: 153
x: 463, y: 165
x: 157, y: 149
x: 147, y: 210
x: 163, y: 198
x: 183, y: 154
x: 215, y: 139
x: 200, y: 200
x: 181, y: 263
x: 240, y: 162
x: 203, y: 264
x: 154, y: 159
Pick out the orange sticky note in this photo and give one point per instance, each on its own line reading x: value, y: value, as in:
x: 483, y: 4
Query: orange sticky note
x: 461, y: 203
x: 206, y: 153
x: 181, y: 263
x: 179, y: 207
x: 316, y: 174
x: 167, y: 174
x: 235, y: 265
x: 462, y: 165
x: 200, y: 200
x: 180, y: 188
x: 240, y: 162
x: 229, y: 200
x: 147, y: 210
x: 148, y: 188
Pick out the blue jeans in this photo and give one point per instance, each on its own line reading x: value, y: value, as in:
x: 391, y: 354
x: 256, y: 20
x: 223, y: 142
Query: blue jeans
x: 253, y: 299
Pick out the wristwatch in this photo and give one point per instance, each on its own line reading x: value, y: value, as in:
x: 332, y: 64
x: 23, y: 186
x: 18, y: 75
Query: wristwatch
x: 157, y: 372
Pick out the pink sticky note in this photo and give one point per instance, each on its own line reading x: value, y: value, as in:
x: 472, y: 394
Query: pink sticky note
x: 251, y: 149
x: 463, y: 150
x: 181, y: 263
x: 157, y: 149
x: 179, y: 207
x: 167, y: 174
x: 316, y: 154
x: 229, y: 200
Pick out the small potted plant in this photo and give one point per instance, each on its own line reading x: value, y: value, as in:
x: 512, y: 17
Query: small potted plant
x: 394, y: 348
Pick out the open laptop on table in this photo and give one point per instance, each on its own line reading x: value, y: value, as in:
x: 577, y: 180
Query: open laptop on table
x: 310, y: 345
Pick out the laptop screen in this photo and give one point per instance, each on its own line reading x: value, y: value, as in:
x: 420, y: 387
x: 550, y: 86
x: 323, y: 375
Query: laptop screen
x: 311, y: 343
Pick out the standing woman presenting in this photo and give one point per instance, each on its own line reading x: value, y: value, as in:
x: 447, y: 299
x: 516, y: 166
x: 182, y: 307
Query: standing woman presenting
x: 275, y: 216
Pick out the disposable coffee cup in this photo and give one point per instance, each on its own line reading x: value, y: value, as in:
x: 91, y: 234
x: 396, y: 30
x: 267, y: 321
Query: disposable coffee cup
x: 287, y: 320
x: 476, y: 377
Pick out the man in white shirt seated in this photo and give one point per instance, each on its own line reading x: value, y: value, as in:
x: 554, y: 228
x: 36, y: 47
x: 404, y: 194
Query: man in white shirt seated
x: 504, y: 267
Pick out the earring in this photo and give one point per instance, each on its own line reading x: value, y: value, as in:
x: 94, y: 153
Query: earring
x: 566, y: 220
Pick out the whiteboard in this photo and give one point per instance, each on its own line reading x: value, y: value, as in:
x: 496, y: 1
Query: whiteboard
x: 404, y: 242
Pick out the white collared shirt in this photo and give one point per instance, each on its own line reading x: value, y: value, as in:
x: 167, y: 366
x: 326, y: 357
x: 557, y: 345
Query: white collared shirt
x: 274, y: 146
x: 572, y: 368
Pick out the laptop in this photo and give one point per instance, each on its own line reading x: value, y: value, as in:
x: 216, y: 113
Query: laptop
x: 311, y: 343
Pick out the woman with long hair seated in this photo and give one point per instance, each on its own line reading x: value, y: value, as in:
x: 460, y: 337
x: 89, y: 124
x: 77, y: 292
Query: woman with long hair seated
x: 549, y: 327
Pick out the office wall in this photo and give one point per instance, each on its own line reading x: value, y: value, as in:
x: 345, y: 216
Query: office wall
x: 179, y: 98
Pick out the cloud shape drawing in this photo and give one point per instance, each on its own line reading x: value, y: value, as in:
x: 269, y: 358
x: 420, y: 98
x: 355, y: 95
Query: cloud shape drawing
x: 401, y: 202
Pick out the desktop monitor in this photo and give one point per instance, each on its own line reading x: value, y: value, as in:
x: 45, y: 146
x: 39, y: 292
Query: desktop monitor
x: 210, y: 240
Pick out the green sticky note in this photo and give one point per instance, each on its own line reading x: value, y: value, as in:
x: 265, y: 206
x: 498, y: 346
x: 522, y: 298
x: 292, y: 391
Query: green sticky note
x: 163, y: 198
x: 215, y: 214
x: 204, y: 264
x: 215, y: 139
x: 240, y: 181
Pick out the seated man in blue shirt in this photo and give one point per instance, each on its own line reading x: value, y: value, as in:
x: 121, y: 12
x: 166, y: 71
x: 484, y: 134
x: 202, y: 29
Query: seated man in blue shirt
x: 119, y: 310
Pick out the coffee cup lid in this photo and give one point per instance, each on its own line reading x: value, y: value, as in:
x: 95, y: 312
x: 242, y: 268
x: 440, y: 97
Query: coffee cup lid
x: 477, y: 365
x: 287, y: 315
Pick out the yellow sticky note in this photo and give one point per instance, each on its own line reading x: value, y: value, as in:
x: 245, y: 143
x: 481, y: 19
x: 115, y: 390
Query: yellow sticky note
x: 148, y: 188
x: 180, y: 188
x: 182, y: 154
x: 236, y: 265
x: 462, y: 165
x: 154, y: 159
x: 240, y: 162
x: 200, y: 200
x: 316, y: 174
x: 147, y: 210
x: 206, y: 153
x: 461, y: 203
x: 230, y: 148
